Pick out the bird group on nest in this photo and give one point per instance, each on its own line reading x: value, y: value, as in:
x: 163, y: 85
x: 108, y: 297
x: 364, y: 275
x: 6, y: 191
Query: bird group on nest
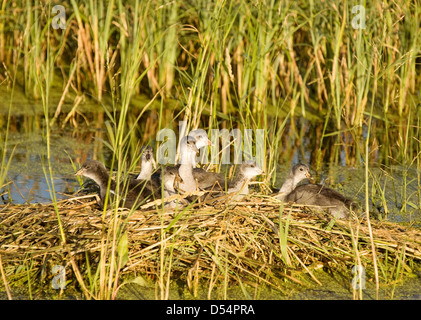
x: 186, y: 179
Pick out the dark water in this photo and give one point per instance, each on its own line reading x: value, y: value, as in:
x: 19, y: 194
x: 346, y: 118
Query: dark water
x: 333, y: 287
x: 29, y: 171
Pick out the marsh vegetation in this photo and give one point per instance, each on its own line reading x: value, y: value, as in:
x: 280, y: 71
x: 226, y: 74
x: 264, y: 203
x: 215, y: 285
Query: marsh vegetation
x: 326, y: 93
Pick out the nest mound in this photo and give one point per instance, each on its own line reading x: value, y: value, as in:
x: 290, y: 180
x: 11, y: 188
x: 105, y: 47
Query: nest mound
x: 256, y: 240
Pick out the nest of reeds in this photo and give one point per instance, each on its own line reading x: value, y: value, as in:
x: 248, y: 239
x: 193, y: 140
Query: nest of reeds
x: 256, y: 240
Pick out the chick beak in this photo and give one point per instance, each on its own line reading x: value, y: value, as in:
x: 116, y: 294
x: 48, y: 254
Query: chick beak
x: 178, y: 178
x: 209, y: 142
x: 80, y: 172
x: 177, y: 181
x: 310, y: 177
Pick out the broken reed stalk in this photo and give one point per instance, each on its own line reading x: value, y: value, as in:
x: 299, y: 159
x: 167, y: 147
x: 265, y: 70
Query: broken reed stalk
x: 231, y: 243
x: 3, y: 276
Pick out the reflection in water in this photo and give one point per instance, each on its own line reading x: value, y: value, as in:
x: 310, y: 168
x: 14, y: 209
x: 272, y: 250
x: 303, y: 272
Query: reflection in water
x: 29, y: 166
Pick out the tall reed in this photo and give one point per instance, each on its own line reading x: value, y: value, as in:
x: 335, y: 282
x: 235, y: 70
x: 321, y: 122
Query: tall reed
x: 120, y: 138
x: 233, y: 63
